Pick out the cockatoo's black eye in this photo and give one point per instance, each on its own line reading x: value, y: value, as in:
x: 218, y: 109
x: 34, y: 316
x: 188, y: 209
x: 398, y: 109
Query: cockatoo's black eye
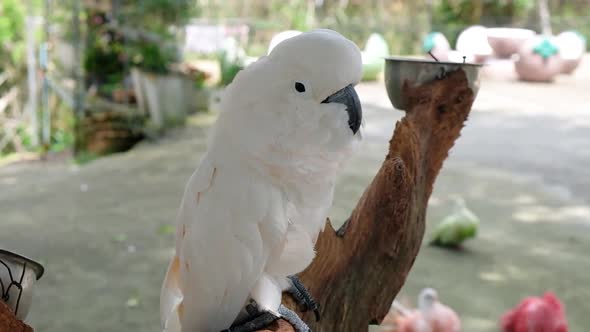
x: 300, y: 87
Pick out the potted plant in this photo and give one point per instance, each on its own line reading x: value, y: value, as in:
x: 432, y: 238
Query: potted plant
x: 160, y: 89
x: 151, y: 27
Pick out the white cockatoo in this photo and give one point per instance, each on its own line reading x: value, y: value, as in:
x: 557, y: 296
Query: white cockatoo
x: 280, y: 37
x: 253, y: 209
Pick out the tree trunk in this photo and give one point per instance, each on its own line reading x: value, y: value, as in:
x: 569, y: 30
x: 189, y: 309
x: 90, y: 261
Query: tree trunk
x: 360, y: 268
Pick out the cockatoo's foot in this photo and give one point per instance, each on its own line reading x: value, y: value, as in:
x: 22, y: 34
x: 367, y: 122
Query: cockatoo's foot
x: 303, y: 297
x: 292, y: 318
x: 257, y: 320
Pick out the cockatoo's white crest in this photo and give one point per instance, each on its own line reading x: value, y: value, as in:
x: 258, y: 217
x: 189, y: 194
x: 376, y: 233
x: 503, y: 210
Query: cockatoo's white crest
x: 280, y: 37
x: 324, y: 58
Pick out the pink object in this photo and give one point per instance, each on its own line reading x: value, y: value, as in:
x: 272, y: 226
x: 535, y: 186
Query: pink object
x: 572, y: 47
x: 409, y: 321
x: 473, y: 42
x: 533, y: 67
x: 570, y: 65
x: 413, y: 322
x: 431, y: 316
x: 507, y: 41
x: 536, y: 314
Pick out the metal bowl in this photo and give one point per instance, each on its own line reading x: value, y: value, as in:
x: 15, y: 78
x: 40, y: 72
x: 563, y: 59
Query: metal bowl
x: 17, y: 277
x: 418, y: 71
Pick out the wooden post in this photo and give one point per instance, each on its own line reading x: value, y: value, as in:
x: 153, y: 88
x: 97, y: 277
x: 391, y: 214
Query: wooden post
x: 360, y: 268
x: 78, y: 79
x: 32, y: 100
x: 44, y: 62
x: 545, y: 17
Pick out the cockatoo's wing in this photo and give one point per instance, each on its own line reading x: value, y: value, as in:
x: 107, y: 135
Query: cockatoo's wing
x: 229, y: 223
x: 297, y: 253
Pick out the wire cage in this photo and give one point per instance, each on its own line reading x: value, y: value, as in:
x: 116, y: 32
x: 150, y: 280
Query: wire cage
x: 17, y: 277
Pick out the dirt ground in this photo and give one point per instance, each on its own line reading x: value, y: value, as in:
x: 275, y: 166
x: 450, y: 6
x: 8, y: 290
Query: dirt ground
x: 104, y: 230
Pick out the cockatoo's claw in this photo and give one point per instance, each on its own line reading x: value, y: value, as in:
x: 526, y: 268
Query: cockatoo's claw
x: 257, y: 321
x: 292, y: 318
x: 303, y: 297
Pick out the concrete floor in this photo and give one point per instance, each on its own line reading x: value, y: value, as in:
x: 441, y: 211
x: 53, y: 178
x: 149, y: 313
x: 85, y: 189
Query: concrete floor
x: 104, y: 230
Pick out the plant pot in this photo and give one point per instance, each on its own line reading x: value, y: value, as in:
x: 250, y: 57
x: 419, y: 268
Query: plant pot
x: 165, y: 98
x: 473, y: 42
x: 438, y: 45
x: 200, y: 99
x: 507, y: 41
x: 572, y: 47
x: 138, y: 88
x: 534, y: 67
x: 570, y: 65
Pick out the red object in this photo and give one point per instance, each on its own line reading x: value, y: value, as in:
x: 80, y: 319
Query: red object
x: 536, y: 314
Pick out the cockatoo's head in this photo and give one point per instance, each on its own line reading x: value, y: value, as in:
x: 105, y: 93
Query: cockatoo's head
x: 298, y: 104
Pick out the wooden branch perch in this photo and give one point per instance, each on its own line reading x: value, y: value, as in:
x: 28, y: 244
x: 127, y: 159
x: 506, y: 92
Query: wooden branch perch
x: 360, y: 268
x: 9, y: 322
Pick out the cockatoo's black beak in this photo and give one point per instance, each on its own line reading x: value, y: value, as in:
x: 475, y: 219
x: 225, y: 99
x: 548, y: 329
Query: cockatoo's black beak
x: 350, y: 98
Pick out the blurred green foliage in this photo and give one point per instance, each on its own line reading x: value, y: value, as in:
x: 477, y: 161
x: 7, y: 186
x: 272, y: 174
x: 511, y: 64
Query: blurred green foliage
x: 12, y: 60
x: 156, y: 16
x: 403, y: 23
x: 104, y: 55
x: 452, y: 16
x: 229, y: 69
x: 11, y: 20
x: 571, y: 15
x: 12, y: 46
x: 150, y: 56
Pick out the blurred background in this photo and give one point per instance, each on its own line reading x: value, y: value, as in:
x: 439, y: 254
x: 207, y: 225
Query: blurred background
x: 105, y: 106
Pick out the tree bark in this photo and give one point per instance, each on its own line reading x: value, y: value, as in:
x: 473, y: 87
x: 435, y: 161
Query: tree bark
x: 360, y: 268
x: 9, y: 322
